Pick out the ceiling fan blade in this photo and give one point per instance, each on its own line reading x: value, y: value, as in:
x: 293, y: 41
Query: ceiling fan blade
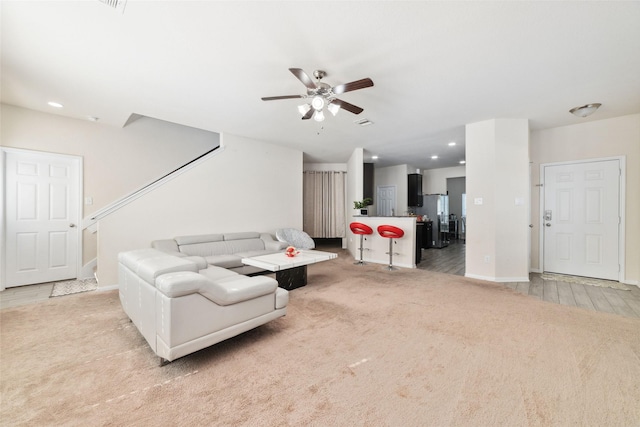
x: 274, y: 98
x: 303, y: 77
x: 348, y: 87
x: 346, y: 106
x: 309, y: 114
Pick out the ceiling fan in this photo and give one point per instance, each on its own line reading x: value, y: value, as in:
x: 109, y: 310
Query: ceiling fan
x: 322, y: 94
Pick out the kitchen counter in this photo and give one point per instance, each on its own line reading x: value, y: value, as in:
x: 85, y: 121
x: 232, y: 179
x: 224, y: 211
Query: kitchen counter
x: 376, y: 247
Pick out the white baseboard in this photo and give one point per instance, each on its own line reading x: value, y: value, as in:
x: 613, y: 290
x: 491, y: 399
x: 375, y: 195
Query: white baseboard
x: 535, y: 270
x: 497, y: 279
x: 107, y: 288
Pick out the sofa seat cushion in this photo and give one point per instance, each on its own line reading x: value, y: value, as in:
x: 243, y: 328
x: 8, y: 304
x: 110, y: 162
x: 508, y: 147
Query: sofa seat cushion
x: 230, y: 290
x: 225, y: 261
x: 198, y: 260
x: 216, y: 273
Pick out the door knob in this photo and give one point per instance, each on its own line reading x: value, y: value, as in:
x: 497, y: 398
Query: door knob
x: 548, y: 225
x: 72, y: 225
x: 530, y: 225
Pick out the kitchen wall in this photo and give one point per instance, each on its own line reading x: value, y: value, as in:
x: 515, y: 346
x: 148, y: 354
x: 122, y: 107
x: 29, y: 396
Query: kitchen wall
x: 434, y: 181
x: 394, y: 176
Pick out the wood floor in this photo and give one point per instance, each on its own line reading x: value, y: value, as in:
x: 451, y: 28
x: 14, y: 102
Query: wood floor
x: 21, y: 295
x: 625, y: 303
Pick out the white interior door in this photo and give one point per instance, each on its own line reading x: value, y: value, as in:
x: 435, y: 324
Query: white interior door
x: 386, y: 200
x: 42, y: 212
x: 581, y: 219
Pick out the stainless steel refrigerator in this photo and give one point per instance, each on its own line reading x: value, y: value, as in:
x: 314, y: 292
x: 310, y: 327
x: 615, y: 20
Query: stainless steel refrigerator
x: 436, y: 207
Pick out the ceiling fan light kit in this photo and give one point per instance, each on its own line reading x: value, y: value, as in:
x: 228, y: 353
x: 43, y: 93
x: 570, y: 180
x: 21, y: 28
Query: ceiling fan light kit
x: 304, y: 109
x: 322, y: 95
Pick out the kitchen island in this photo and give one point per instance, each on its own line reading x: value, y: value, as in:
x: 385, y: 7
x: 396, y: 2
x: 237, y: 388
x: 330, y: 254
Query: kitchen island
x: 376, y: 248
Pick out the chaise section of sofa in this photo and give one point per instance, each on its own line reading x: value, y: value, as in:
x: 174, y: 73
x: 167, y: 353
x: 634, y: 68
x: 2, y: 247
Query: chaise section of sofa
x: 223, y: 250
x: 180, y: 308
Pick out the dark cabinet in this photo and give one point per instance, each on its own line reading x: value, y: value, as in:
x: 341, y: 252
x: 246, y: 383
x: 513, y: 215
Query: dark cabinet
x: 367, y: 188
x: 419, y: 243
x: 415, y: 190
x: 427, y: 235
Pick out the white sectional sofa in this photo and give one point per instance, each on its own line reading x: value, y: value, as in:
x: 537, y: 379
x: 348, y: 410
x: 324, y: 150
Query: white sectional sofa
x: 180, y: 303
x: 223, y: 250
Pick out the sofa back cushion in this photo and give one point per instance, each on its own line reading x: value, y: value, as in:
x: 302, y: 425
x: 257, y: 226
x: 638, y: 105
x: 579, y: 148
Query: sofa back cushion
x: 241, y: 236
x: 203, y: 245
x: 244, y: 245
x: 206, y: 245
x: 200, y: 238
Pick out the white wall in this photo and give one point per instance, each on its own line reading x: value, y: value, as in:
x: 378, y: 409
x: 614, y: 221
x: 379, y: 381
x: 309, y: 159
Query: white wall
x: 116, y: 161
x: 497, y: 172
x: 355, y: 190
x: 333, y: 167
x: 434, y: 181
x: 619, y: 136
x: 249, y: 186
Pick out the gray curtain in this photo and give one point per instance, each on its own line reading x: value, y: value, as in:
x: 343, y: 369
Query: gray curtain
x: 323, y: 210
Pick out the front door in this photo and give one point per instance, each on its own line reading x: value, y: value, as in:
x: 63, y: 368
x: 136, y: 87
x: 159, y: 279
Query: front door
x: 42, y: 212
x: 581, y: 219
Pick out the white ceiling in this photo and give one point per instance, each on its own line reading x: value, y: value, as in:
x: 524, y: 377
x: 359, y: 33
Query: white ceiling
x: 436, y: 66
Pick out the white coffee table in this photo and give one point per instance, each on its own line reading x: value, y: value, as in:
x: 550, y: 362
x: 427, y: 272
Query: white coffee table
x: 291, y: 272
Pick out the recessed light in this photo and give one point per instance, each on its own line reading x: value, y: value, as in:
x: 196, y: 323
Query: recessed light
x: 55, y: 104
x: 451, y: 144
x: 462, y: 162
x: 374, y: 157
x: 434, y: 157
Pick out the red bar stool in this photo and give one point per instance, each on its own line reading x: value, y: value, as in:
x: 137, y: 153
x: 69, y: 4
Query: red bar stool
x: 390, y: 232
x: 362, y: 230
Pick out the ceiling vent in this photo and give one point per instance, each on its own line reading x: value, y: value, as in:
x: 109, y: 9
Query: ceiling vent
x: 363, y: 122
x: 116, y: 4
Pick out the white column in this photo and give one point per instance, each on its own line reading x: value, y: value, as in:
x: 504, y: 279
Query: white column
x: 355, y: 191
x: 497, y: 238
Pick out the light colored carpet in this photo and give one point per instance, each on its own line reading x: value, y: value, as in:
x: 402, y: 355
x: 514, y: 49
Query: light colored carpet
x: 584, y: 281
x: 69, y: 287
x: 360, y: 346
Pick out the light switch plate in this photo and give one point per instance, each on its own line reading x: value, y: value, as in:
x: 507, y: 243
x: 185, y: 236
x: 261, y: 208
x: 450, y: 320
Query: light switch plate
x: 477, y: 201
